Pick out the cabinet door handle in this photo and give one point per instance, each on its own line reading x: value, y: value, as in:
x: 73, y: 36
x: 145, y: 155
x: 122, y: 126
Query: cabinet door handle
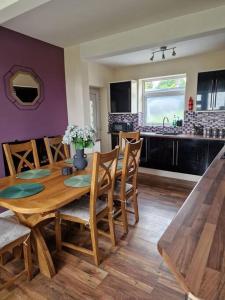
x: 177, y: 154
x: 173, y: 155
x: 215, y: 92
x: 146, y: 150
x: 211, y: 104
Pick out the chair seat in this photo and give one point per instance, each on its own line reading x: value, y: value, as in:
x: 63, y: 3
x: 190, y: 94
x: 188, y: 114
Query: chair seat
x: 80, y: 208
x: 9, y: 215
x: 117, y: 188
x: 10, y: 232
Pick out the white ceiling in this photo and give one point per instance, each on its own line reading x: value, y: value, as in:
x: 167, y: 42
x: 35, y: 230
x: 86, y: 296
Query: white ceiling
x: 185, y: 48
x: 12, y: 8
x: 69, y: 22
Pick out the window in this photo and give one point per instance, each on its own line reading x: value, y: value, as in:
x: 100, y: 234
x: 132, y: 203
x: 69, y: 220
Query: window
x: 164, y: 96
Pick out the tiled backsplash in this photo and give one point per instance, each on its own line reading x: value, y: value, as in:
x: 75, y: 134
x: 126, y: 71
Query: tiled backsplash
x: 207, y: 119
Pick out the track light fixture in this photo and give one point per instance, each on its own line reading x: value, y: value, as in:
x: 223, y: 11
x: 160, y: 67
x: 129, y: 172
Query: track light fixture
x: 163, y: 49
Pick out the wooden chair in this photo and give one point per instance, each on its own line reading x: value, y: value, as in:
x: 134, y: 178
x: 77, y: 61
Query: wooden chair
x: 55, y: 149
x: 124, y: 137
x: 13, y: 235
x: 22, y: 152
x: 126, y: 186
x: 89, y: 210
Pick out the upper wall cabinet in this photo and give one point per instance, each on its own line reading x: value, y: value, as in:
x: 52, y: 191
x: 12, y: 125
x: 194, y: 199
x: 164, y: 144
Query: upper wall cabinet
x: 123, y: 97
x: 211, y: 91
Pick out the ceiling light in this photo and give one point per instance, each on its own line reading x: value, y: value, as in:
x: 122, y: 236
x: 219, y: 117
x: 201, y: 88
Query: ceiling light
x: 162, y: 50
x: 6, y: 3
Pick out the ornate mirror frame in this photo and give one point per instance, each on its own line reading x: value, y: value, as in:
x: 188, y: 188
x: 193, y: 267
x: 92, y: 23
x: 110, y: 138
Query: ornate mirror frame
x: 10, y: 93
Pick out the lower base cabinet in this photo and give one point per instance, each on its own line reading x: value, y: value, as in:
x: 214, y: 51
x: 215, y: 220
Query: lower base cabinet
x: 190, y: 156
x: 114, y: 140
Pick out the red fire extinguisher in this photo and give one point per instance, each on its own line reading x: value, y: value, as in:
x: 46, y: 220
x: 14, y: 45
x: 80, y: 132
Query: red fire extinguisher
x: 190, y: 104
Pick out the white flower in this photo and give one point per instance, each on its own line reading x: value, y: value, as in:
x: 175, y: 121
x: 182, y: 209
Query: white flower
x: 80, y: 137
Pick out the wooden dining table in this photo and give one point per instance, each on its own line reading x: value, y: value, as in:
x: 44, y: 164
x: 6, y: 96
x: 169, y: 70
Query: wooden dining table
x: 32, y: 211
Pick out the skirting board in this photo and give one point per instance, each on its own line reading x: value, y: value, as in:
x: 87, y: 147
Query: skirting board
x: 175, y: 175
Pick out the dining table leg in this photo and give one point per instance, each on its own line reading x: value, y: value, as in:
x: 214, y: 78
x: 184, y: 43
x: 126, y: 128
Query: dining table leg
x: 43, y: 255
x: 44, y: 258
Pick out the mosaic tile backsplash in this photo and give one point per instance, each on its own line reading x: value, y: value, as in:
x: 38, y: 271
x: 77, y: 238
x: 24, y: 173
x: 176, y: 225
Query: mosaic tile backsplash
x: 207, y: 119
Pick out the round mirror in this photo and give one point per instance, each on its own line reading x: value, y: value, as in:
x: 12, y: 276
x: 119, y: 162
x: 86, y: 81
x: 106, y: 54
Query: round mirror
x: 24, y: 87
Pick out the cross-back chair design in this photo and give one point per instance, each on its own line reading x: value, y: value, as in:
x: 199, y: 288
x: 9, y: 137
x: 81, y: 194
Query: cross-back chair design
x: 124, y: 137
x: 56, y: 150
x: 89, y: 210
x: 13, y: 235
x: 126, y: 186
x: 22, y: 152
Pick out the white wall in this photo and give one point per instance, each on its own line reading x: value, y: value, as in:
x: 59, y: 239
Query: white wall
x: 79, y: 76
x: 77, y: 87
x: 189, y: 65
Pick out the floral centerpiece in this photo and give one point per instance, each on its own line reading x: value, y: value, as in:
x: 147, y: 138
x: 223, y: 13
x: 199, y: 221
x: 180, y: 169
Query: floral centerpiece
x: 81, y: 138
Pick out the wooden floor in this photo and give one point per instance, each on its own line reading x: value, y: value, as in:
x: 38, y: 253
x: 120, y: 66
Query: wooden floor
x: 132, y: 270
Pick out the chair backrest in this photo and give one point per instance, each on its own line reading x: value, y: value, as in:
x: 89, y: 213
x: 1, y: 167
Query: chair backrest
x: 21, y: 156
x: 124, y: 137
x: 130, y: 164
x: 56, y: 150
x: 103, y: 178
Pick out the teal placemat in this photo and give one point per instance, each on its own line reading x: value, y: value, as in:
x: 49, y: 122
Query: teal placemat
x: 78, y: 181
x: 119, y: 165
x: 121, y: 156
x: 69, y: 161
x: 32, y: 174
x: 21, y: 190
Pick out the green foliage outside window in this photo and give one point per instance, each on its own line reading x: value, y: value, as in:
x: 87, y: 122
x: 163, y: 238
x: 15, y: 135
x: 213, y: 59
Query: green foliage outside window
x: 165, y: 84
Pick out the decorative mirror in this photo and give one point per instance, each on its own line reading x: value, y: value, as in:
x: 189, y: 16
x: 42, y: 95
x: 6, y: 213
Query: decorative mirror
x: 23, y: 87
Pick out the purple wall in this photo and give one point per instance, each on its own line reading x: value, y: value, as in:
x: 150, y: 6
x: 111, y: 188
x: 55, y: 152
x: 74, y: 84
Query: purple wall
x: 48, y: 62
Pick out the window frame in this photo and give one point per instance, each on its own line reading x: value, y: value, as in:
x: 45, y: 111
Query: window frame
x: 169, y: 92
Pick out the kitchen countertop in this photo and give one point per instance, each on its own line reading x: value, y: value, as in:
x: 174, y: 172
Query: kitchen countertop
x: 193, y: 245
x: 180, y: 136
x: 175, y: 136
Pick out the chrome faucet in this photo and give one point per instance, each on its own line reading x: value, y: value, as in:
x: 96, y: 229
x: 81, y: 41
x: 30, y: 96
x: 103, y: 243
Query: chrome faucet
x: 165, y: 119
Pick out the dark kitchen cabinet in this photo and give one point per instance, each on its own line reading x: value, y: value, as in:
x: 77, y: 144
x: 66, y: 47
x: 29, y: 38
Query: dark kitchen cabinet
x: 219, y: 97
x: 211, y: 91
x: 213, y: 149
x: 144, y: 153
x: 114, y: 140
x: 123, y: 97
x: 191, y: 156
x: 160, y: 154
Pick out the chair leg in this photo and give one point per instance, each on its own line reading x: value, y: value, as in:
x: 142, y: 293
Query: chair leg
x: 124, y: 217
x: 3, y: 259
x: 94, y: 240
x: 28, y: 258
x: 135, y: 205
x: 82, y: 227
x: 112, y: 229
x: 58, y: 233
